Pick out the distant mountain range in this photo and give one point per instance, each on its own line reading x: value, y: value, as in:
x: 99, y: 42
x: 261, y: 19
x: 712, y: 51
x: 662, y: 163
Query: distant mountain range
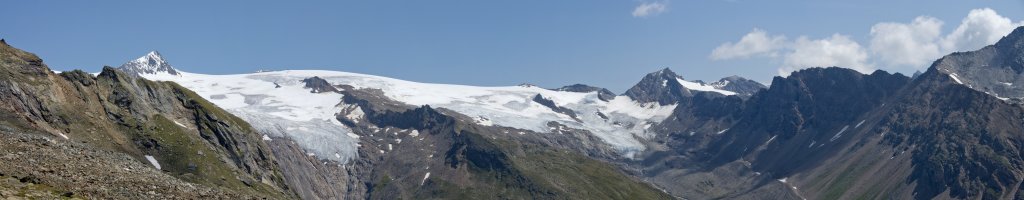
x: 148, y: 130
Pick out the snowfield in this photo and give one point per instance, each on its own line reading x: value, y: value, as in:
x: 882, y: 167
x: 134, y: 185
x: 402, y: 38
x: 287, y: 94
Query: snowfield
x: 309, y: 118
x: 702, y: 87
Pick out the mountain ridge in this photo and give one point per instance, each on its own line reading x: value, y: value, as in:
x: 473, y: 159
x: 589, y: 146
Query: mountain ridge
x: 952, y: 131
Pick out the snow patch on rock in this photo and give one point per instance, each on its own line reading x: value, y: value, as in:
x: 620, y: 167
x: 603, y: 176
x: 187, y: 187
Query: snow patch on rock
x: 153, y: 161
x: 425, y: 177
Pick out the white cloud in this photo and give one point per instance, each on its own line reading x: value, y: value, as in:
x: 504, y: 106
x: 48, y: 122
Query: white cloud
x: 981, y: 27
x: 756, y: 42
x: 902, y: 47
x: 914, y: 46
x: 649, y: 8
x: 907, y: 45
x: 838, y: 50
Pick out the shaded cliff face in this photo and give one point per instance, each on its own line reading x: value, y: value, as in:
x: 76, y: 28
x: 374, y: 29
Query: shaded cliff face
x: 834, y: 133
x: 815, y: 101
x: 161, y: 124
x: 961, y: 142
x: 935, y: 138
x: 727, y: 147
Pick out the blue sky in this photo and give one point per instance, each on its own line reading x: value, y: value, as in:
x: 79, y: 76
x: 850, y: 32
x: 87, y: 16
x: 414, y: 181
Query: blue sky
x: 495, y: 43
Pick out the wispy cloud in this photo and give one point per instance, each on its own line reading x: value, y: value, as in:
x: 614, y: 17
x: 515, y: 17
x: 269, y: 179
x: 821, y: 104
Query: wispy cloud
x: 646, y: 9
x: 892, y: 45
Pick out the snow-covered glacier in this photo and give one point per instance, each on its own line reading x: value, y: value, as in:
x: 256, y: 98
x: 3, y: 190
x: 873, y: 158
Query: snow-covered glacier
x: 276, y: 103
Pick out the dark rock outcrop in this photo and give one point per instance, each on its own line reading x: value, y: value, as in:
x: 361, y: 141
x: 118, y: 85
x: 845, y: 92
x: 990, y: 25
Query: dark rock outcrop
x: 318, y: 85
x: 551, y: 105
x: 602, y: 93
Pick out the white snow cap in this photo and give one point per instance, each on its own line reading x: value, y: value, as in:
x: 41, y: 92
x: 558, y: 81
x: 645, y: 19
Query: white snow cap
x: 151, y: 63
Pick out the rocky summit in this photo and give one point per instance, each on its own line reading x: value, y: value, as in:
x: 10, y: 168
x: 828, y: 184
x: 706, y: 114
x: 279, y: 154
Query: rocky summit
x: 151, y: 63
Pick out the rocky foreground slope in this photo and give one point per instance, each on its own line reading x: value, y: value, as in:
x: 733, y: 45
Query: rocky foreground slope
x: 102, y: 130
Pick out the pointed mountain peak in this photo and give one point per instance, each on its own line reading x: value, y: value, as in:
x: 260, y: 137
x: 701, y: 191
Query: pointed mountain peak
x: 664, y: 73
x: 665, y: 70
x: 154, y: 54
x: 661, y: 86
x: 151, y: 63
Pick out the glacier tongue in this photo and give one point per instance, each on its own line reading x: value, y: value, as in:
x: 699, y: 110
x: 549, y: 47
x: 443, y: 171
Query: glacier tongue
x: 287, y: 111
x: 320, y: 137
